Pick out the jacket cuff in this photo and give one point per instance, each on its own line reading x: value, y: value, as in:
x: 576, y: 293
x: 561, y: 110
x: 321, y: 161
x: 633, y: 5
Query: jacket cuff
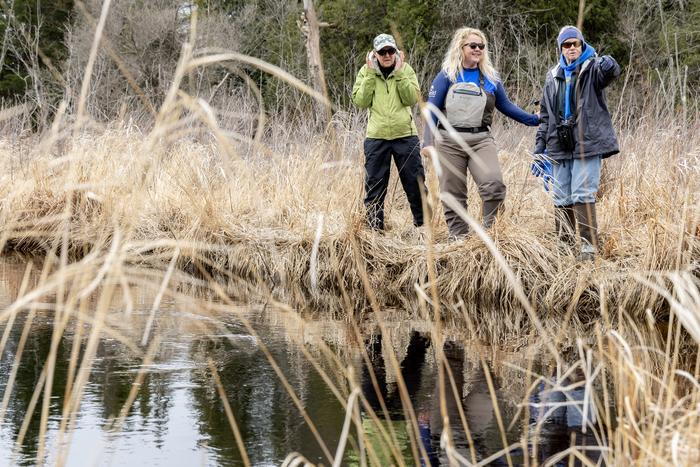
x: 401, y: 73
x: 369, y: 71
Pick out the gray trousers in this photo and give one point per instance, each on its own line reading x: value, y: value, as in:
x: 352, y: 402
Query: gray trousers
x: 482, y: 163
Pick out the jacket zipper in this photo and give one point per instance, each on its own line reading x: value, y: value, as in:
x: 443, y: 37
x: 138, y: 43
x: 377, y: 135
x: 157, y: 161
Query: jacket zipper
x: 386, y: 85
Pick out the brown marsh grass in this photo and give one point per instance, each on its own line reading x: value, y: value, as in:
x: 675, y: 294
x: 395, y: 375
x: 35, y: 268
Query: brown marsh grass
x: 286, y: 213
x: 277, y: 218
x: 641, y: 377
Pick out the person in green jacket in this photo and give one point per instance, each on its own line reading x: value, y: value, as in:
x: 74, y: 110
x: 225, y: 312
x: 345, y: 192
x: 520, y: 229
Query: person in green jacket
x: 388, y: 87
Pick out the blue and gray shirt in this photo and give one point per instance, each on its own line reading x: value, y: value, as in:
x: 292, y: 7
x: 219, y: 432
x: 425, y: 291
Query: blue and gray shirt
x: 495, y: 98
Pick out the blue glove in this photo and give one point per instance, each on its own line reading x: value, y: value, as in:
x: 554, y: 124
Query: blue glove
x: 542, y: 167
x: 607, y: 63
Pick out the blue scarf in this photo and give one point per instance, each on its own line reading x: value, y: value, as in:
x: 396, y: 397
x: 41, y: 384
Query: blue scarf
x: 587, y: 53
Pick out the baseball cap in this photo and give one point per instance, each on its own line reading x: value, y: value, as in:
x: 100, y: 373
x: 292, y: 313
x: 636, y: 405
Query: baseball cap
x: 384, y: 40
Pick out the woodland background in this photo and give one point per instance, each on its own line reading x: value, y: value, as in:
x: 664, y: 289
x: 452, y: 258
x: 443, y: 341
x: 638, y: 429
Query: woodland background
x: 46, y: 44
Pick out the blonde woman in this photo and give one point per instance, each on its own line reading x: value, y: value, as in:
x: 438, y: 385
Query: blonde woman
x: 466, y: 91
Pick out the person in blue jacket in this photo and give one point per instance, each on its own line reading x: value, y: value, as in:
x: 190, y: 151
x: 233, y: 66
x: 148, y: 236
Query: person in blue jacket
x: 466, y: 91
x: 577, y: 133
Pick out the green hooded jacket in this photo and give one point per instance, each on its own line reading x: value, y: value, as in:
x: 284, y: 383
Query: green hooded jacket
x: 389, y: 101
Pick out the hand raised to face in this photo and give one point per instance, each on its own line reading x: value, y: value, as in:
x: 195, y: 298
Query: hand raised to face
x: 398, y: 64
x: 371, y: 61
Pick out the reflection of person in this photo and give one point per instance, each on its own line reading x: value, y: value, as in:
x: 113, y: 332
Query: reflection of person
x: 411, y: 368
x: 565, y: 405
x: 411, y: 373
x: 388, y: 87
x: 476, y: 405
x: 577, y: 133
x: 454, y: 361
x: 557, y: 417
x: 426, y: 439
x: 466, y: 91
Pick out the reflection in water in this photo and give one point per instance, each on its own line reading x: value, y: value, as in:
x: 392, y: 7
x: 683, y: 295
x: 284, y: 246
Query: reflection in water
x: 556, y: 416
x: 270, y: 423
x: 387, y: 396
x: 563, y: 417
x: 177, y: 417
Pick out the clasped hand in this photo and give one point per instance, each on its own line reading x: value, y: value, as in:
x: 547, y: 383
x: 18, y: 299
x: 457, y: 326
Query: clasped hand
x: 542, y: 167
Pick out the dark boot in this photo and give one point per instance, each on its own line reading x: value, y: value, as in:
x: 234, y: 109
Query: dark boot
x: 375, y: 216
x: 565, y: 224
x: 588, y: 229
x: 489, y: 210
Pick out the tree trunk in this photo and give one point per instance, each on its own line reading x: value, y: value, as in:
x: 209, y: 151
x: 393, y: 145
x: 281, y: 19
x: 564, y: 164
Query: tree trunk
x: 310, y: 29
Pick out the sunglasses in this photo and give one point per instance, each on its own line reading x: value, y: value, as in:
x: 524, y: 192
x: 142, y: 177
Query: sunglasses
x: 384, y: 52
x: 475, y: 45
x: 568, y: 45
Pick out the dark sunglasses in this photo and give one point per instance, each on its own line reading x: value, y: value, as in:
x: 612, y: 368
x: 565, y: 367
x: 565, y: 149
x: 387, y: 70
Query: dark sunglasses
x: 383, y: 52
x: 475, y: 45
x: 568, y: 45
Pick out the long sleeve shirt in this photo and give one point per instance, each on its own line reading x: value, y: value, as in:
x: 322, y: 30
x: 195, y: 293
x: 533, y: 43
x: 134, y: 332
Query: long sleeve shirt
x: 441, y: 84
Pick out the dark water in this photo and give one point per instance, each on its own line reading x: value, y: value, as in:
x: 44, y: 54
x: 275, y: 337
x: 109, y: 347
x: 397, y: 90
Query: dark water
x: 178, y: 418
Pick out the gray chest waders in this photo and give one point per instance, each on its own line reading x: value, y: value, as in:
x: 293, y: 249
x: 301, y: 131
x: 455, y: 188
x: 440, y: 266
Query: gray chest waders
x: 465, y: 108
x: 465, y: 104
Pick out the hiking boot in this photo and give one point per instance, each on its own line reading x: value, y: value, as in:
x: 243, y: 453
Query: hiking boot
x: 565, y: 224
x: 588, y: 229
x: 489, y: 210
x: 588, y: 253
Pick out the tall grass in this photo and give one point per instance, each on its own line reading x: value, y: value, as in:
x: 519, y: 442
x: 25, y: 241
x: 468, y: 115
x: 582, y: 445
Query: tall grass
x: 277, y: 218
x: 255, y: 209
x: 640, y: 379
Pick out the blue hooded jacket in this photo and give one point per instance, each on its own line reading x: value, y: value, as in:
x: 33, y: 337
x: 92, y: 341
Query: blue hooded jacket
x: 594, y: 134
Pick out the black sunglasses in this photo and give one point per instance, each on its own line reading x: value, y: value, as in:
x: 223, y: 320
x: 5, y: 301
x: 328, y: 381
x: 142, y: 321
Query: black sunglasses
x: 475, y: 45
x: 383, y: 52
x: 568, y: 45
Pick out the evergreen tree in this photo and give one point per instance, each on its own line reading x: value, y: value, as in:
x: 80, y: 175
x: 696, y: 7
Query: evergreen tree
x: 345, y: 43
x: 32, y: 32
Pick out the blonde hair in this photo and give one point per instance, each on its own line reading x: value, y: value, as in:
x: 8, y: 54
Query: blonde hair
x: 452, y: 65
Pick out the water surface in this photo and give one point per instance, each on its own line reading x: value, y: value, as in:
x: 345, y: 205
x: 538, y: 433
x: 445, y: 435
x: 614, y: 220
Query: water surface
x: 178, y: 419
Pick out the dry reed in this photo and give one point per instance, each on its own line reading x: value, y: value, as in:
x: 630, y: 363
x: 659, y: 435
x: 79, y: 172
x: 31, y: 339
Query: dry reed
x: 255, y: 215
x: 115, y: 206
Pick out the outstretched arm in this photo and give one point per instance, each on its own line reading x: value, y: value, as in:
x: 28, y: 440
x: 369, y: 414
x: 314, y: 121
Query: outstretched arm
x: 541, y: 136
x: 607, y: 71
x: 506, y: 107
